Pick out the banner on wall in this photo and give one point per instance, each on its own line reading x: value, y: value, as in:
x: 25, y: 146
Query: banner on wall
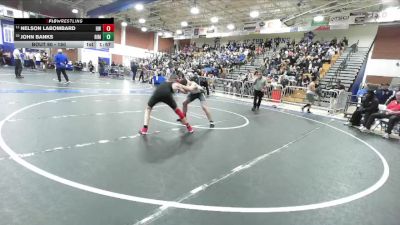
x: 323, y: 28
x: 340, y: 27
x: 372, y: 17
x: 252, y: 26
x: 188, y: 32
x: 388, y: 15
x: 274, y: 26
x: 10, y: 12
x: 339, y: 19
x: 304, y: 23
x: 324, y: 22
x: 306, y: 28
x: 211, y: 30
x: 357, y: 18
x: 200, y: 31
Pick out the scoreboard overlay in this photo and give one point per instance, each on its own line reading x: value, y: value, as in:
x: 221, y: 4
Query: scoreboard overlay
x: 64, y: 33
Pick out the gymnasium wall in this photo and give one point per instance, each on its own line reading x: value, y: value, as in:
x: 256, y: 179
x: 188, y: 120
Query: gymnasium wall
x: 72, y: 54
x: 165, y: 44
x: 136, y: 38
x: 384, y: 61
x: 387, y: 43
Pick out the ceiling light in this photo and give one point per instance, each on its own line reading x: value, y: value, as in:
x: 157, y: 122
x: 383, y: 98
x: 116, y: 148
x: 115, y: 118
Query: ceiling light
x: 167, y: 34
x: 214, y: 19
x: 318, y: 18
x: 144, y: 29
x: 184, y: 24
x: 230, y: 26
x: 101, y: 16
x: 160, y: 33
x: 178, y: 31
x: 124, y: 24
x: 141, y: 20
x: 254, y: 14
x: 75, y: 11
x: 194, y: 10
x: 139, y: 7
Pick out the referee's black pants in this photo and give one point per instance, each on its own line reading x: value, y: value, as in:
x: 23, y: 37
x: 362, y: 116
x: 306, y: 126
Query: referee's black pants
x: 257, y: 98
x: 18, y: 67
x: 59, y: 71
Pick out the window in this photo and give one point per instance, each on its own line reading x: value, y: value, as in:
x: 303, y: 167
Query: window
x: 8, y: 32
x: 1, y: 35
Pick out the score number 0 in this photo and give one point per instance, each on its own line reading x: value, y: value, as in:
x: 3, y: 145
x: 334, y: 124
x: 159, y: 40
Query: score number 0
x: 108, y: 27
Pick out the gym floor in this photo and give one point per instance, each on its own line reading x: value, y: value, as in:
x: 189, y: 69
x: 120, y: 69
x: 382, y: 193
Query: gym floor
x: 70, y: 154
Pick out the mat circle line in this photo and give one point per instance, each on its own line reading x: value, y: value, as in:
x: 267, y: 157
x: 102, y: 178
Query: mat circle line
x: 14, y: 156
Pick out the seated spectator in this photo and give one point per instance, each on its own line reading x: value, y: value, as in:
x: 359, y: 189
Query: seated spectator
x: 78, y: 66
x: 369, y: 105
x: 383, y: 93
x: 7, y: 58
x: 305, y: 80
x: 362, y: 91
x: 339, y: 85
x: 345, y: 41
x: 159, y: 79
x: 1, y: 57
x: 392, y: 112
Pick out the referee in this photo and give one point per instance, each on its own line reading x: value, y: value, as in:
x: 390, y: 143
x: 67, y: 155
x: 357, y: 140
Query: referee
x: 259, y: 86
x: 61, y: 61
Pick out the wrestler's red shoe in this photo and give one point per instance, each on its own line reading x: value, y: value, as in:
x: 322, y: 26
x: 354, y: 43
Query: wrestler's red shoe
x: 190, y: 129
x: 143, y: 131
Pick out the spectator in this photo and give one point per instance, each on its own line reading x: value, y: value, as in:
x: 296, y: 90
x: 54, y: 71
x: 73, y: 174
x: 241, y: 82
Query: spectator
x: 38, y: 59
x: 79, y: 66
x: 45, y: 60
x: 134, y: 68
x: 305, y: 80
x: 383, y: 93
x: 91, y: 66
x: 204, y: 83
x: 2, y: 61
x: 102, y: 67
x: 18, y: 63
x: 363, y: 90
x: 31, y: 59
x: 142, y: 73
x: 158, y: 79
x: 369, y: 105
x: 339, y: 85
x: 345, y: 42
x: 392, y: 112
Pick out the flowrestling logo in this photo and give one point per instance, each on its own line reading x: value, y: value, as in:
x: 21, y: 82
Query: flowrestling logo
x: 64, y: 20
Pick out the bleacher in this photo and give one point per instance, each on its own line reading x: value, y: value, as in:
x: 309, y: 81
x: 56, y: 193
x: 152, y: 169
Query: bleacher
x: 348, y: 74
